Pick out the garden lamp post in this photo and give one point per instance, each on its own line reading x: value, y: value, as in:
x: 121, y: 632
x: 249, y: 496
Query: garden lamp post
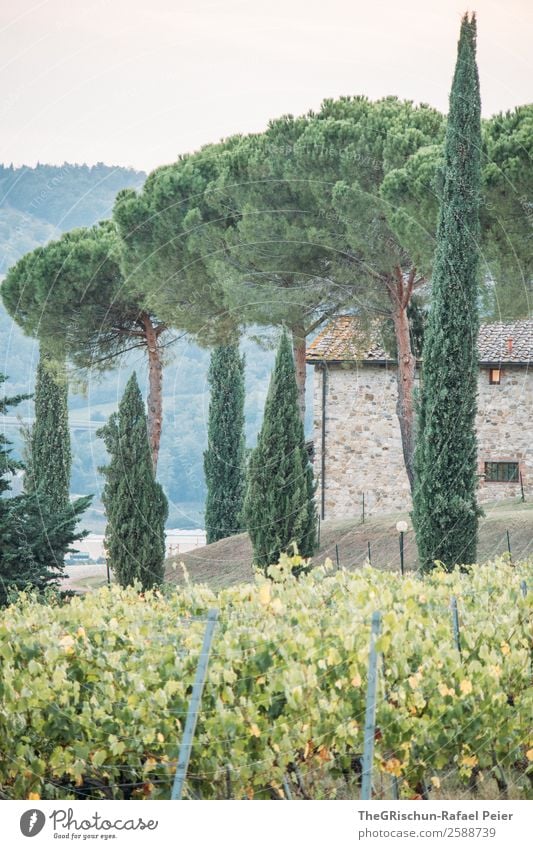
x: 401, y: 527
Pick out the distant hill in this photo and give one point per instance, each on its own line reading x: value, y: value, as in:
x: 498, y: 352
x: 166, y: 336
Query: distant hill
x: 37, y: 205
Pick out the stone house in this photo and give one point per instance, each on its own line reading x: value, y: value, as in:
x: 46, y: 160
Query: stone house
x: 357, y: 443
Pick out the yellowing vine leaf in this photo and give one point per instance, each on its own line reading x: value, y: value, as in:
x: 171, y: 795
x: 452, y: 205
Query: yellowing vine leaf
x: 67, y: 644
x: 469, y: 761
x: 277, y: 606
x: 264, y: 594
x: 393, y: 766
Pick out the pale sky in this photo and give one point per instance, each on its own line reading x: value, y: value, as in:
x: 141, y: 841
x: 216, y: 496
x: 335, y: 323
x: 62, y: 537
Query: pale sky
x: 136, y: 83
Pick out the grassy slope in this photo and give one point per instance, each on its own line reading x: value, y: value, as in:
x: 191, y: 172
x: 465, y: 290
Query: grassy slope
x: 228, y: 561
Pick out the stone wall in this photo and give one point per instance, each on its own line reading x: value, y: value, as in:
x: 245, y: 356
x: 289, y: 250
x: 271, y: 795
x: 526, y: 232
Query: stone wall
x: 505, y: 429
x: 363, y: 451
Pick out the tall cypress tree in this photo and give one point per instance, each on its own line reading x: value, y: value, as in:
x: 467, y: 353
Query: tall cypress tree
x: 35, y: 533
x: 50, y: 453
x: 279, y: 505
x: 445, y: 511
x: 224, y: 458
x: 135, y: 504
x: 7, y: 468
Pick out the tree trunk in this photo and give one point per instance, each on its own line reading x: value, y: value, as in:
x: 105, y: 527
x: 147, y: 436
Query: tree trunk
x: 155, y: 385
x: 400, y: 292
x: 299, y: 350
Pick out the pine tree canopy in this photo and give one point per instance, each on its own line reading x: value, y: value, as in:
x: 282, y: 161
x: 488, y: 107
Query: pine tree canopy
x: 135, y: 504
x: 224, y: 458
x: 72, y: 295
x: 445, y: 511
x: 279, y: 504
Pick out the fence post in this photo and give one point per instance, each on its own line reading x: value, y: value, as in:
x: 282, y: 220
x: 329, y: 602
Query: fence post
x: 523, y: 587
x: 395, y: 787
x: 369, y: 557
x: 318, y: 531
x: 194, y: 707
x: 370, y: 711
x: 337, y: 554
x: 287, y: 789
x: 229, y: 791
x: 522, y: 488
x: 509, y: 547
x: 455, y: 620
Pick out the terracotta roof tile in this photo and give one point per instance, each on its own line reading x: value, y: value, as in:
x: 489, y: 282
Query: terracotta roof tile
x: 345, y: 340
x: 506, y: 343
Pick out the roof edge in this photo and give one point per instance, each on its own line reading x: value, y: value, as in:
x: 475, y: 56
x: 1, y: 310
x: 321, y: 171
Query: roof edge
x: 321, y: 361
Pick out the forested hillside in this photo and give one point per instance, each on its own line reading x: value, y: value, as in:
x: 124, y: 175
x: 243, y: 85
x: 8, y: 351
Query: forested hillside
x: 39, y: 203
x: 36, y: 205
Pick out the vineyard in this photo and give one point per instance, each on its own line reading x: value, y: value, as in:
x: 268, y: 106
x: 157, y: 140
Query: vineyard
x: 94, y: 692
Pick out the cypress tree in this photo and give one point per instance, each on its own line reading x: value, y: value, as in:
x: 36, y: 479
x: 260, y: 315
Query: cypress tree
x: 224, y: 458
x: 7, y: 467
x: 445, y: 511
x: 35, y: 534
x: 50, y: 456
x: 135, y: 504
x: 279, y: 504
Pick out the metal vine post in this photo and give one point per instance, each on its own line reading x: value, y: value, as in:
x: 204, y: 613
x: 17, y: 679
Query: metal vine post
x: 194, y: 708
x: 455, y: 621
x: 370, y: 712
